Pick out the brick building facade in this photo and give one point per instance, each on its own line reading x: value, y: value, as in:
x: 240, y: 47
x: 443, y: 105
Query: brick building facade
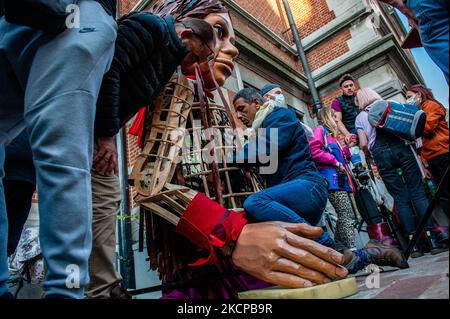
x: 339, y: 36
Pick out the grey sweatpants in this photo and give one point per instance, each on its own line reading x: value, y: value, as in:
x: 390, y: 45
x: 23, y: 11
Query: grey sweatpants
x: 49, y: 85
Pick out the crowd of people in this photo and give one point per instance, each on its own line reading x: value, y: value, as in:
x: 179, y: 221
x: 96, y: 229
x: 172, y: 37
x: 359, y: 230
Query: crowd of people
x: 327, y: 158
x: 65, y: 94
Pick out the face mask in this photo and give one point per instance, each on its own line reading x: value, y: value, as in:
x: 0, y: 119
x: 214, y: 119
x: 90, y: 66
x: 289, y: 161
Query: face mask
x: 414, y: 100
x: 280, y: 100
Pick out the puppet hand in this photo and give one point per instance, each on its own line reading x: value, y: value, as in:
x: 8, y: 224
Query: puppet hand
x: 284, y: 254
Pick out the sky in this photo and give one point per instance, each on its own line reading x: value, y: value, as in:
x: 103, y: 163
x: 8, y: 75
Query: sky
x: 434, y: 79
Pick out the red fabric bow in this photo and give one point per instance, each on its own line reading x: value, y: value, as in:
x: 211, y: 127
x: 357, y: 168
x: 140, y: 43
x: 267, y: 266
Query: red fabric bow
x: 137, y: 128
x: 209, y: 225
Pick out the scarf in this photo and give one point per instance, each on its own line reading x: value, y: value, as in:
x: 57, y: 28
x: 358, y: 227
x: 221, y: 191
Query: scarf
x: 262, y: 113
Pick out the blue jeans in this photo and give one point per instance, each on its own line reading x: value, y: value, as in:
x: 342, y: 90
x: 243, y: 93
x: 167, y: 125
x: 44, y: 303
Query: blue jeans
x: 408, y: 192
x: 49, y: 86
x: 297, y: 201
x: 433, y: 22
x: 438, y: 166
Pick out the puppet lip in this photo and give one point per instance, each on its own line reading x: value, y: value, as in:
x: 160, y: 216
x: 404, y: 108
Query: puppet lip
x: 226, y: 63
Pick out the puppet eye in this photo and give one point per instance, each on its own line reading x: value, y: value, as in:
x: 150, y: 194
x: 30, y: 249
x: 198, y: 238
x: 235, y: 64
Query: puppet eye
x: 220, y: 30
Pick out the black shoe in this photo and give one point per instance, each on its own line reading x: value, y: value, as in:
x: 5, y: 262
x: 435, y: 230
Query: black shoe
x: 119, y: 292
x: 7, y: 296
x: 416, y: 252
x: 435, y: 246
x: 443, y: 238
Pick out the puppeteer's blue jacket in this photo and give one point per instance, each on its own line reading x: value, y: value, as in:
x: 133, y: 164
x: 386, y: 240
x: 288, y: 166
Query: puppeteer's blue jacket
x: 289, y: 147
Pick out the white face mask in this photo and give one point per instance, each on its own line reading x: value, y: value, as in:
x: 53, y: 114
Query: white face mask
x: 414, y: 100
x: 280, y: 100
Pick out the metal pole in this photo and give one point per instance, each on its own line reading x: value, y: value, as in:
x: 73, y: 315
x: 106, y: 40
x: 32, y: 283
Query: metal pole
x: 126, y: 253
x: 435, y: 200
x: 301, y: 53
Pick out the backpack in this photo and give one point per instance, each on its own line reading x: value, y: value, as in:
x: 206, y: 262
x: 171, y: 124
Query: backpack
x: 403, y: 120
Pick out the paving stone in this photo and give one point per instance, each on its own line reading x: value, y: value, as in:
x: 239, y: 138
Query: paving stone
x: 411, y: 288
x: 427, y: 278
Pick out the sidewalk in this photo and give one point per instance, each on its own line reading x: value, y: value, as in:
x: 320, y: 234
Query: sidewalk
x: 427, y: 278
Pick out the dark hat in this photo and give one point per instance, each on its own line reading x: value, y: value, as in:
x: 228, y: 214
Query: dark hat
x: 269, y: 87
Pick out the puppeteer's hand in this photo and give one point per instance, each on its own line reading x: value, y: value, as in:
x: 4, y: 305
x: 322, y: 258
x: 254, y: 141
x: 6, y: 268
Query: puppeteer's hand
x: 105, y: 156
x: 428, y: 174
x: 284, y: 254
x: 353, y: 142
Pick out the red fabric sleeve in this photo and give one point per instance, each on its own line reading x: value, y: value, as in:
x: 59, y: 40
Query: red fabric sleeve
x: 209, y: 225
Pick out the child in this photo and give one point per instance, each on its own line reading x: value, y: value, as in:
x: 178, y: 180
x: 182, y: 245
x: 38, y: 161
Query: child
x: 330, y: 157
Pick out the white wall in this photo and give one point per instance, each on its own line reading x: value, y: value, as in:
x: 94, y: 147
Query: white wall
x: 377, y: 77
x: 342, y: 7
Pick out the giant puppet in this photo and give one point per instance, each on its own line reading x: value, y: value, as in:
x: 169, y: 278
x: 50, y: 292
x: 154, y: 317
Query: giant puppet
x: 187, y: 190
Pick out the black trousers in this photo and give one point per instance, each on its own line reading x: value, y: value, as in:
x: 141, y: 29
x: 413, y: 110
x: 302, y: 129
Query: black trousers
x: 18, y: 197
x: 438, y: 166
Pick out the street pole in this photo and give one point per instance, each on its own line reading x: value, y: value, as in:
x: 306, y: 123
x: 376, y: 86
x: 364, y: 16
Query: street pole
x: 301, y: 53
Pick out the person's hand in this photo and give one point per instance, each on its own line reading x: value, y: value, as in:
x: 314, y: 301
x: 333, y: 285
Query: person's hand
x: 428, y: 174
x: 350, y: 138
x: 339, y: 166
x: 353, y: 142
x: 105, y: 156
x: 284, y: 254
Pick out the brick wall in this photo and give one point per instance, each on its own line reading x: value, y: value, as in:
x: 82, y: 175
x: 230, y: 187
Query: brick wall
x: 268, y: 45
x: 310, y: 15
x: 329, y: 50
x: 327, y: 99
x: 133, y: 151
x: 125, y: 6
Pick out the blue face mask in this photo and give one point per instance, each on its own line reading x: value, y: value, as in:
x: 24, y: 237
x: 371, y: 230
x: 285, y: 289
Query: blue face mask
x: 280, y: 100
x: 414, y: 100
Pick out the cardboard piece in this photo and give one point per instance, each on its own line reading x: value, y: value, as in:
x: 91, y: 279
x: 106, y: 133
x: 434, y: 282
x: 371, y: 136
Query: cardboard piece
x: 333, y: 290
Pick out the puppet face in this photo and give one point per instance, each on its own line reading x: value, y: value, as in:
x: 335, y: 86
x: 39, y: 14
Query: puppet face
x: 225, y: 52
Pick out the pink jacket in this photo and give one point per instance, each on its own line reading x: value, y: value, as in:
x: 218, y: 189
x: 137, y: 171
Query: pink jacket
x: 319, y: 155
